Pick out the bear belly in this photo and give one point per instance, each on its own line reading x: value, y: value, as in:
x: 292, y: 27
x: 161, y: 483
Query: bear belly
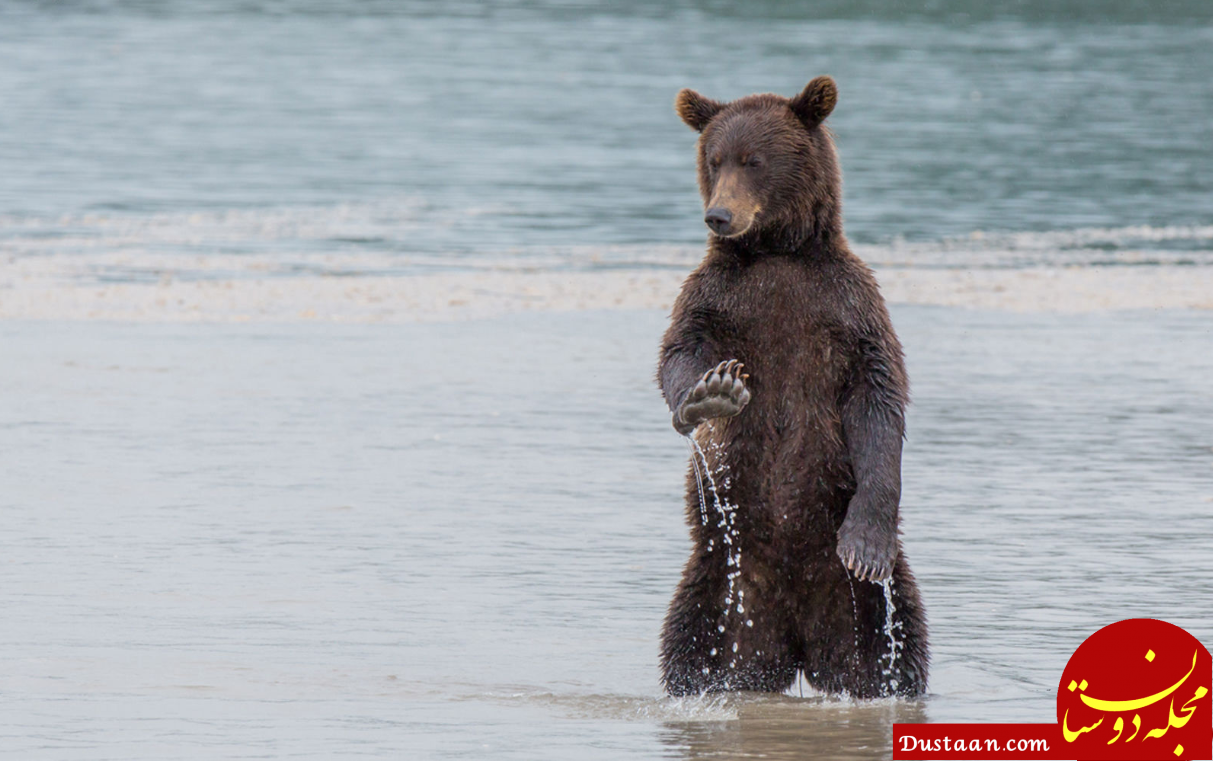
x: 789, y: 486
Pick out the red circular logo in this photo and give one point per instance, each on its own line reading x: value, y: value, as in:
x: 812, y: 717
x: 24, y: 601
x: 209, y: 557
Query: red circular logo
x: 1137, y: 689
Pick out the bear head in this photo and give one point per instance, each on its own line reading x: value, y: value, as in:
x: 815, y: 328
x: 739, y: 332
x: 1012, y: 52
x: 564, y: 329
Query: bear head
x: 767, y: 164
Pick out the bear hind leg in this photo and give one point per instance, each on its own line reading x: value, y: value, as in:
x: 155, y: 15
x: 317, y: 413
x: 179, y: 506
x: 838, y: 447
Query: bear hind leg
x: 848, y: 648
x: 706, y: 649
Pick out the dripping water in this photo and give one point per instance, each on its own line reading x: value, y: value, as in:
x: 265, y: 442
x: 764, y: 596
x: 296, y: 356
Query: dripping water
x: 889, y: 662
x: 854, y: 609
x: 734, y: 598
x: 703, y: 507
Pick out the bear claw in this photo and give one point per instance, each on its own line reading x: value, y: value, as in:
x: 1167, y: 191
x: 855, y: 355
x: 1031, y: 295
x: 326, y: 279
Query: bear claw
x: 863, y: 568
x: 720, y: 392
x: 867, y: 544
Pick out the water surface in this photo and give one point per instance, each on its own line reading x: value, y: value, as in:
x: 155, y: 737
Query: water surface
x: 458, y: 540
x: 478, y: 128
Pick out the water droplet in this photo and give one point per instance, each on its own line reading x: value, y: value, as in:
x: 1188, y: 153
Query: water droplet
x: 726, y: 511
x: 889, y: 670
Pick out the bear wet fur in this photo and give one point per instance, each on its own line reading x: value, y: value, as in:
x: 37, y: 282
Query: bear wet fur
x: 782, y: 362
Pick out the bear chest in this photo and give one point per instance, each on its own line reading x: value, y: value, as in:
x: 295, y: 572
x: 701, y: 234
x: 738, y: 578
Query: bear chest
x: 785, y: 332
x: 787, y: 447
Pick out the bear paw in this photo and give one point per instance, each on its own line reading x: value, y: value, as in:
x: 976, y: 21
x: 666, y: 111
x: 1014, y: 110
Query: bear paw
x: 867, y: 551
x: 721, y: 392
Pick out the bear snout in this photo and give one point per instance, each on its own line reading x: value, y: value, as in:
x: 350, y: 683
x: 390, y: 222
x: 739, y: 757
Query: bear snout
x: 718, y: 219
x: 732, y: 206
x: 731, y: 220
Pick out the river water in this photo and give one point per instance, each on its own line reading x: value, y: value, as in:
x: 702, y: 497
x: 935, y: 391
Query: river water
x: 457, y: 539
x: 440, y: 133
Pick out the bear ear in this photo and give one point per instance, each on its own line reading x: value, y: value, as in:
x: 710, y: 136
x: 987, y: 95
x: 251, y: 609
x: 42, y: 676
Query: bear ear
x: 695, y: 109
x: 815, y: 102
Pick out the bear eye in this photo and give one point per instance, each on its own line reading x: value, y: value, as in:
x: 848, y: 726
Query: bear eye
x: 752, y: 161
x: 714, y: 162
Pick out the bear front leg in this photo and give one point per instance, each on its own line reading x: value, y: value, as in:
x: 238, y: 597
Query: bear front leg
x: 867, y: 540
x: 695, y: 387
x: 721, y: 392
x: 873, y: 419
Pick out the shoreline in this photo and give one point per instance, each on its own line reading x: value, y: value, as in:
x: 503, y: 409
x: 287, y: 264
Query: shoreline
x: 29, y: 294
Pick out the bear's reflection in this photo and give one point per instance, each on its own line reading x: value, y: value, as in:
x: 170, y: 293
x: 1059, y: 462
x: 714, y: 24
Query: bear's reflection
x: 793, y: 728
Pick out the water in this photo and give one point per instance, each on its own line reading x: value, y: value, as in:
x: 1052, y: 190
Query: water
x: 734, y: 600
x: 296, y: 538
x: 441, y: 134
x: 889, y: 666
x: 459, y: 540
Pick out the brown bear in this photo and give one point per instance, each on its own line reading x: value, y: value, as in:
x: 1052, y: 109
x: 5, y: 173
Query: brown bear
x: 781, y: 362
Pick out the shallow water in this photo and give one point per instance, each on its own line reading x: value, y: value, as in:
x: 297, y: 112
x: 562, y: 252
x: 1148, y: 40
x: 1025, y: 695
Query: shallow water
x: 458, y: 540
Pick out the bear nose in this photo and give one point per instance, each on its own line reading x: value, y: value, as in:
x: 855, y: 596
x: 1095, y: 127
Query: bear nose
x: 718, y: 219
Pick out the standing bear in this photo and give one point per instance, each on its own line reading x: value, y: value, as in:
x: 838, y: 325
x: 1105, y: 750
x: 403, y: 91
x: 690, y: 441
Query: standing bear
x: 781, y: 363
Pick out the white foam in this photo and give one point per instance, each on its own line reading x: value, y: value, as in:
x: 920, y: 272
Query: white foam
x: 1107, y: 246
x: 345, y: 264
